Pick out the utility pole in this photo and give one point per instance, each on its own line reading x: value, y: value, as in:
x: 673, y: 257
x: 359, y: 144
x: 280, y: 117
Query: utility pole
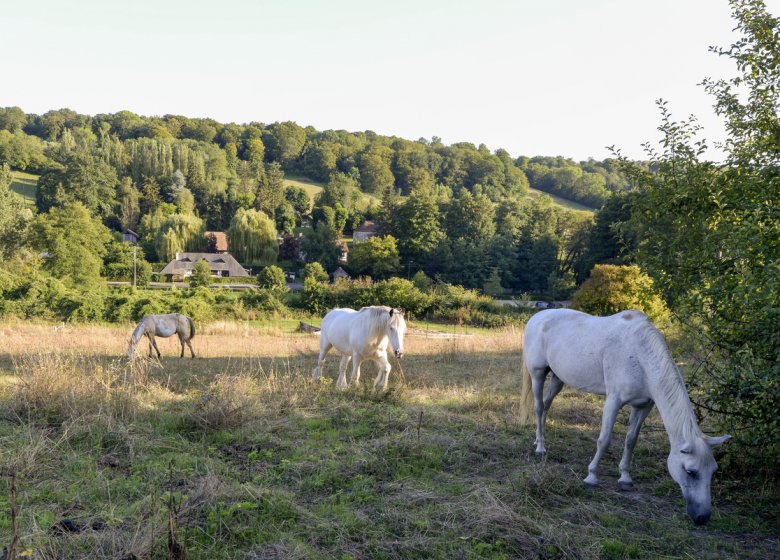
x: 135, y: 248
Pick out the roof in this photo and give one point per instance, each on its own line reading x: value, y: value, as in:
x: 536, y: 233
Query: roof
x: 343, y: 246
x: 222, y: 242
x: 340, y: 273
x: 217, y: 261
x: 367, y: 227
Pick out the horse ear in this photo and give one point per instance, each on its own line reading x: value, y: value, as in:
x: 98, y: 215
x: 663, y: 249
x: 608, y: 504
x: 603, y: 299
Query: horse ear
x: 715, y: 441
x: 391, y: 311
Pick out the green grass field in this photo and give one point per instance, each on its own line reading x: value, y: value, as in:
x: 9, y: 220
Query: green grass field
x: 237, y: 454
x: 24, y: 184
x: 560, y: 201
x: 313, y: 188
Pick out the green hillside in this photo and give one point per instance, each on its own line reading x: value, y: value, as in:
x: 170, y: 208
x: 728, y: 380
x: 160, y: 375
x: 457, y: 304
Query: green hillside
x: 313, y: 188
x: 24, y: 184
x: 563, y: 202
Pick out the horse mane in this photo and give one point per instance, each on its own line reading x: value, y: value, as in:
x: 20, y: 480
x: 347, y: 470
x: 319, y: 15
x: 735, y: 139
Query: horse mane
x: 662, y: 368
x: 139, y: 330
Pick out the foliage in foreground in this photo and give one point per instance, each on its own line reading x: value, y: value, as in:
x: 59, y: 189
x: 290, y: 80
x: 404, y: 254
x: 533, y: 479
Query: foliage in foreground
x: 709, y: 236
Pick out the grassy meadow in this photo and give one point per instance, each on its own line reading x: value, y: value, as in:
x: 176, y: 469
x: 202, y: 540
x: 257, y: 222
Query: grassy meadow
x: 237, y: 454
x: 560, y: 201
x: 24, y: 184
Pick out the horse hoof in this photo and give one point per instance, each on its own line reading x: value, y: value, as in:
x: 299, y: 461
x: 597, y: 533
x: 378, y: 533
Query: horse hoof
x: 590, y: 483
x: 626, y: 486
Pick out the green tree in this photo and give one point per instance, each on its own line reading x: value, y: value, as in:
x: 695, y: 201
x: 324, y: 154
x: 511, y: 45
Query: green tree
x: 299, y: 199
x: 201, y: 275
x: 84, y: 179
x: 118, y: 263
x: 74, y: 243
x: 272, y: 278
x: 470, y: 216
x: 709, y: 234
x: 14, y: 217
x: 177, y: 233
x: 418, y: 228
x: 377, y: 257
x: 316, y: 271
x: 320, y: 246
x: 252, y: 237
x: 285, y: 141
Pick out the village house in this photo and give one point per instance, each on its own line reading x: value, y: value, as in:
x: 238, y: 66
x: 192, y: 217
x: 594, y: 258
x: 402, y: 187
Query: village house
x: 344, y: 248
x: 367, y: 229
x: 340, y: 274
x: 129, y: 236
x: 221, y: 264
x: 217, y: 241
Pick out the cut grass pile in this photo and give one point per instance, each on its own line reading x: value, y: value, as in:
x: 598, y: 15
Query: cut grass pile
x: 238, y: 455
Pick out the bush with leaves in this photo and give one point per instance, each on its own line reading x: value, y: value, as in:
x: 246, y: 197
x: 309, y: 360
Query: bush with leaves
x: 201, y: 274
x: 316, y: 271
x: 612, y: 288
x: 272, y: 278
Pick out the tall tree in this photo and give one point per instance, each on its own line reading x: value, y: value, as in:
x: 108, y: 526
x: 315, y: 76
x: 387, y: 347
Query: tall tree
x: 418, y: 228
x: 14, y: 217
x: 85, y: 179
x: 74, y: 244
x: 252, y: 238
x: 709, y: 234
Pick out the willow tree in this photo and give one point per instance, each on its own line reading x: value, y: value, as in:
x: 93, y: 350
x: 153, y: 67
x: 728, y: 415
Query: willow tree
x: 178, y: 232
x: 252, y: 238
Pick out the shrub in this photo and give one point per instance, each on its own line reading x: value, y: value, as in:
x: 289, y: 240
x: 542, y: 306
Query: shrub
x: 272, y: 278
x: 201, y: 275
x: 315, y: 298
x: 316, y: 271
x: 82, y: 307
x: 265, y: 301
x: 613, y: 288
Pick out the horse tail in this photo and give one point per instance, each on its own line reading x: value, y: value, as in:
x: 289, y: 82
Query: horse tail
x: 192, y: 327
x: 526, y: 396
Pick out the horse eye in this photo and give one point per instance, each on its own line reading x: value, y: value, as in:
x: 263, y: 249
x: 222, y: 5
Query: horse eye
x: 692, y: 474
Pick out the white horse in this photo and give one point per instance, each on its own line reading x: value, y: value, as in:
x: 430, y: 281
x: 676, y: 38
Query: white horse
x: 625, y: 358
x: 360, y: 336
x: 164, y: 326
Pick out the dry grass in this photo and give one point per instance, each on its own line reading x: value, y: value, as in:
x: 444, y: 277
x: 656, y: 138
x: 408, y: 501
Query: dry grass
x: 262, y: 463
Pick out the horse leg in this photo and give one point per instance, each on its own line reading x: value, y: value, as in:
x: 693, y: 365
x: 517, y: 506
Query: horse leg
x: 154, y: 343
x: 638, y: 415
x: 317, y: 372
x: 538, y: 376
x: 151, y: 342
x: 553, y: 389
x: 190, y: 346
x: 611, y: 407
x: 342, y: 381
x: 384, y: 373
x: 181, y: 341
x: 355, y: 368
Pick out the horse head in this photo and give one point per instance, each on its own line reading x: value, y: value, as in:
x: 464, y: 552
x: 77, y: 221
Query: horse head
x: 692, y: 465
x: 396, y: 329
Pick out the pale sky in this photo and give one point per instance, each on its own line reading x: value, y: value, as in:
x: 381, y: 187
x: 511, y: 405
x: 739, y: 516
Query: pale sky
x: 552, y: 77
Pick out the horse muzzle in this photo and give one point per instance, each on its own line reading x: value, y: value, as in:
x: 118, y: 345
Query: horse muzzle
x: 398, y: 353
x: 697, y: 516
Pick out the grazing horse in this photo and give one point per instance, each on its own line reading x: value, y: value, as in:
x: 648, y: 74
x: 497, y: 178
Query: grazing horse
x: 164, y: 326
x: 625, y: 358
x: 360, y: 336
